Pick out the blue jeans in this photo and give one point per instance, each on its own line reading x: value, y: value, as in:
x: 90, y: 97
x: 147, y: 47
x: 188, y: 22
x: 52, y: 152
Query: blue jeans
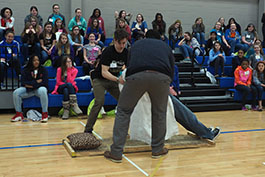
x: 245, y: 47
x: 44, y: 56
x: 21, y: 93
x: 189, y: 121
x: 186, y: 50
x: 200, y: 37
x: 234, y: 46
x: 66, y: 90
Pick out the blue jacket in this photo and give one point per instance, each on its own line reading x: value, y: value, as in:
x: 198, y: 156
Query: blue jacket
x: 213, y: 55
x: 6, y: 49
x: 228, y: 36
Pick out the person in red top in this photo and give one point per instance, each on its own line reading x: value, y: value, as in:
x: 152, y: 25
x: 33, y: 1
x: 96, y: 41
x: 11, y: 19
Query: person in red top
x: 122, y: 25
x: 66, y: 85
x: 6, y: 21
x: 97, y: 15
x: 243, y: 79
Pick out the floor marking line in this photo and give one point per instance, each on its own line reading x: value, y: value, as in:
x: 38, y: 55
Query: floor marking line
x: 28, y: 146
x: 131, y: 162
x: 240, y: 131
x: 157, y: 166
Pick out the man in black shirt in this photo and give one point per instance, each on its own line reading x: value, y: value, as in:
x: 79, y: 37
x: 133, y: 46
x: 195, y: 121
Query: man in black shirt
x: 150, y: 69
x: 106, y: 76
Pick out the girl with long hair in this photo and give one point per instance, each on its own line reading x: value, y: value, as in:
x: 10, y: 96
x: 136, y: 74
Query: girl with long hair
x: 95, y: 28
x: 198, y: 31
x: 62, y: 47
x: 175, y: 33
x: 77, y: 40
x: 34, y: 81
x: 217, y: 58
x: 47, y: 41
x: 66, y: 85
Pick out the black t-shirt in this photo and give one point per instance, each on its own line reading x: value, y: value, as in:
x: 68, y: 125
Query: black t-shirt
x: 110, y: 57
x: 47, y: 41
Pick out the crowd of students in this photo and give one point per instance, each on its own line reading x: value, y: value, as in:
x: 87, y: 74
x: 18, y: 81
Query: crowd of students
x: 83, y: 42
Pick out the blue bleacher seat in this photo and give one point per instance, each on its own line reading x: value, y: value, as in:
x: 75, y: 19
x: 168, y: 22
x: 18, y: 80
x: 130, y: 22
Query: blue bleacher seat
x: 83, y: 84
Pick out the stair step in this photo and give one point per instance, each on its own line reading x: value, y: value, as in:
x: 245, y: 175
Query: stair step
x: 199, y: 86
x: 215, y: 107
x: 206, y: 92
x: 206, y: 99
x: 196, y: 80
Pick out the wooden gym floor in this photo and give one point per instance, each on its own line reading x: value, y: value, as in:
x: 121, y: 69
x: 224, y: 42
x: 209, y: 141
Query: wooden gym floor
x: 34, y: 149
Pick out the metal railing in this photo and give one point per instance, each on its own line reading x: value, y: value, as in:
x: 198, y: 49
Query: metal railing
x: 7, y: 83
x: 193, y: 60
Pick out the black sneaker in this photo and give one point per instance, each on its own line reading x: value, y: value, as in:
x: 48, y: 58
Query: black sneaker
x: 159, y: 154
x: 109, y: 156
x: 216, y: 132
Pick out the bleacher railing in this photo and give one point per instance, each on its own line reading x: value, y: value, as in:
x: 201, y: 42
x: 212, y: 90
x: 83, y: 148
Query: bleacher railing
x: 9, y: 84
x: 193, y: 60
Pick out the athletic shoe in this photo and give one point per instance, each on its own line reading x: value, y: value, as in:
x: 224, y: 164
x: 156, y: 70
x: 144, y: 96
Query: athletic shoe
x: 244, y: 108
x: 254, y: 108
x: 216, y: 132
x: 17, y: 117
x: 109, y: 156
x: 44, y: 117
x: 159, y: 154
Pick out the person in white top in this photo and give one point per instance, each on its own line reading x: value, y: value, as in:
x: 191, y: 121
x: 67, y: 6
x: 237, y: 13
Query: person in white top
x: 6, y: 21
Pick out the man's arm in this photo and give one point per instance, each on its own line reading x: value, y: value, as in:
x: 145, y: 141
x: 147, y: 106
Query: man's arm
x: 107, y: 75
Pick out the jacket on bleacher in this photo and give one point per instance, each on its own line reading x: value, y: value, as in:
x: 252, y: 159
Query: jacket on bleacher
x: 71, y: 75
x: 243, y: 77
x: 27, y: 78
x: 6, y: 49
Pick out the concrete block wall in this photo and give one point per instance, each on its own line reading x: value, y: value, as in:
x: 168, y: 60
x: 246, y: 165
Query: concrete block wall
x: 244, y: 11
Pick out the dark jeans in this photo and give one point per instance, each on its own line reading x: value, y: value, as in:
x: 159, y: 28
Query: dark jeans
x: 66, y: 90
x: 259, y: 90
x: 87, y: 68
x: 13, y: 64
x: 28, y: 50
x: 219, y: 61
x: 246, y: 91
x: 78, y: 56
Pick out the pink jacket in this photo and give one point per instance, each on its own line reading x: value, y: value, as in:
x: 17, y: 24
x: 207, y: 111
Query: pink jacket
x: 71, y: 75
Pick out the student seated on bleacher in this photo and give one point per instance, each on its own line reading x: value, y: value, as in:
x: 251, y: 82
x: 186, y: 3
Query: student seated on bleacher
x: 210, y: 42
x: 159, y: 25
x: 122, y: 15
x: 187, y: 45
x: 139, y: 27
x: 256, y: 57
x: 58, y: 28
x: 233, y: 37
x: 79, y: 21
x: 233, y: 21
x: 259, y: 81
x: 217, y: 58
x: 243, y: 78
x: 251, y: 49
x: 34, y: 81
x: 175, y: 33
x: 91, y: 54
x: 236, y: 61
x: 30, y: 42
x: 221, y: 20
x: 9, y: 55
x: 198, y: 31
x: 76, y: 40
x: 35, y: 23
x: 94, y: 28
x: 249, y: 36
x: 34, y: 13
x: 62, y: 47
x: 47, y: 42
x: 7, y: 21
x: 66, y: 85
x: 122, y: 25
x: 56, y: 14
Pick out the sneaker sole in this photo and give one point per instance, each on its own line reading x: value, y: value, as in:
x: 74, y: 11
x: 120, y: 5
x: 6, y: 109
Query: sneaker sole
x: 204, y: 139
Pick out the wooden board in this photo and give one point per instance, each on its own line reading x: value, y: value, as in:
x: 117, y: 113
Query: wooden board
x: 133, y: 146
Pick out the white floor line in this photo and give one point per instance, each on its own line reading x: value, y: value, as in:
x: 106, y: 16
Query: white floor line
x: 136, y: 166
x: 131, y: 162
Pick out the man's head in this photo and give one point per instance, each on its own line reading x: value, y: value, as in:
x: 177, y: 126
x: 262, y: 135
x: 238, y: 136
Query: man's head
x: 152, y: 34
x: 120, y: 39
